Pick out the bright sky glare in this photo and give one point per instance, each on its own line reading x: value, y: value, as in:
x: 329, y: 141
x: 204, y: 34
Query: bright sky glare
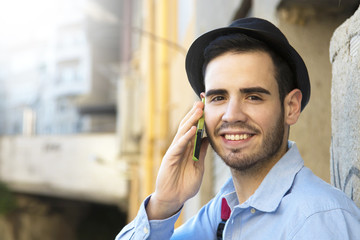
x: 22, y: 20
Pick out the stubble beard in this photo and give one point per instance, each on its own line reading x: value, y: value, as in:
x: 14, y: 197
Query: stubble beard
x: 270, y: 146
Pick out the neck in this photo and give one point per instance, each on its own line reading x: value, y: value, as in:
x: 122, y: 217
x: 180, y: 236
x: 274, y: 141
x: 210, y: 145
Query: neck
x: 247, y: 181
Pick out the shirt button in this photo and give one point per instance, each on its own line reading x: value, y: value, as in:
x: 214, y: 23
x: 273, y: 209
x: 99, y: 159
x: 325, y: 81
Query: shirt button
x: 253, y: 210
x: 146, y: 230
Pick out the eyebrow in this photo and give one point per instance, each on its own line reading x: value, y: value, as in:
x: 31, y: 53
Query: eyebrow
x: 215, y: 92
x: 242, y: 90
x: 255, y: 90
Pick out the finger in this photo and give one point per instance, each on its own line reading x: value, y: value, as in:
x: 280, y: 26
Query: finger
x: 193, y: 116
x: 191, y: 121
x: 182, y: 143
x: 188, y: 114
x: 197, y: 105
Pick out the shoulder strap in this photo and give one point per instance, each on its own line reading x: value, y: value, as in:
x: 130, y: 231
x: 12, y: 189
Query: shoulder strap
x: 225, y: 214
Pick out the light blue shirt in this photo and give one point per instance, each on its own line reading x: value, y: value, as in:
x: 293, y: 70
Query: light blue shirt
x: 290, y: 203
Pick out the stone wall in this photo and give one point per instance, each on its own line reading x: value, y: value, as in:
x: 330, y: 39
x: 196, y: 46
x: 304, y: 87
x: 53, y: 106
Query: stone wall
x: 345, y: 107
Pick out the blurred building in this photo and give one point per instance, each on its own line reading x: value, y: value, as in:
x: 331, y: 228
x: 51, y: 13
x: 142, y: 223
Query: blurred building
x: 70, y: 74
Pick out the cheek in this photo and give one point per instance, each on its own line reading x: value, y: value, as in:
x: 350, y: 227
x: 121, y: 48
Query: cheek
x: 212, y: 118
x: 264, y: 116
x: 267, y: 118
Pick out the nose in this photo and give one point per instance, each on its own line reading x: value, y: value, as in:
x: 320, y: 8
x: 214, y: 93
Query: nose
x: 234, y: 111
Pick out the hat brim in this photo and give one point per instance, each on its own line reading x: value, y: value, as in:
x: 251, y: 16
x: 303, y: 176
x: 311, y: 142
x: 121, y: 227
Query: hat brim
x: 195, y: 57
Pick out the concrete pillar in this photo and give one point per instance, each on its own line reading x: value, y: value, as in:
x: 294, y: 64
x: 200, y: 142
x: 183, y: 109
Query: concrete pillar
x: 345, y: 107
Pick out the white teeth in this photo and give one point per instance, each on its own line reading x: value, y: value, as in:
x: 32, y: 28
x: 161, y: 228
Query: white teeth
x: 236, y: 137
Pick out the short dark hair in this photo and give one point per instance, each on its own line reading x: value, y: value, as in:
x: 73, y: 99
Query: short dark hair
x: 240, y: 43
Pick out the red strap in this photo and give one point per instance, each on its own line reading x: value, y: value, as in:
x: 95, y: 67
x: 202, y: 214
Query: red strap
x: 225, y: 210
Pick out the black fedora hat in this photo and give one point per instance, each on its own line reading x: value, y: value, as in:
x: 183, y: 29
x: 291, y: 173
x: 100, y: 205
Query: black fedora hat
x: 256, y: 28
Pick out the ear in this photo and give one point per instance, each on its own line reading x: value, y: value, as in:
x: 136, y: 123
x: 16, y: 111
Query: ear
x: 202, y: 95
x: 292, y: 106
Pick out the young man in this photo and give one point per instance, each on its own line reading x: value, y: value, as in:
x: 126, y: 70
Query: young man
x: 255, y: 85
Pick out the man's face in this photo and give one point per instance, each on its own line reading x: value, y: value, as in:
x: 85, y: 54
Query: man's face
x: 243, y: 114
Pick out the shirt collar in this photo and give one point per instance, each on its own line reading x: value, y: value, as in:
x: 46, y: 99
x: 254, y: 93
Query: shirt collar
x: 275, y: 185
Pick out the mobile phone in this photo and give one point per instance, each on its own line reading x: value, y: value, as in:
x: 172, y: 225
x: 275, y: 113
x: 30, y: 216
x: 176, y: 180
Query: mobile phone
x: 198, y: 136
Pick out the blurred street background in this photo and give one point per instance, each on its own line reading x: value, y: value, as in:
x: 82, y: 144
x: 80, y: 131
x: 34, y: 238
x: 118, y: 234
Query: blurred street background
x: 92, y: 92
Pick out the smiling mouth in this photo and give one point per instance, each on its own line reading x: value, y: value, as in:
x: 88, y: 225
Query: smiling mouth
x: 237, y: 137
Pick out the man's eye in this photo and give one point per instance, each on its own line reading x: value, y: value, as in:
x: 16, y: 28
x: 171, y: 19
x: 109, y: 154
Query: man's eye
x: 254, y: 98
x: 217, y: 98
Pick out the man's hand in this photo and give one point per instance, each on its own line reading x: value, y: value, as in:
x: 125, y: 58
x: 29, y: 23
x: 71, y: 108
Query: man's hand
x: 179, y: 176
